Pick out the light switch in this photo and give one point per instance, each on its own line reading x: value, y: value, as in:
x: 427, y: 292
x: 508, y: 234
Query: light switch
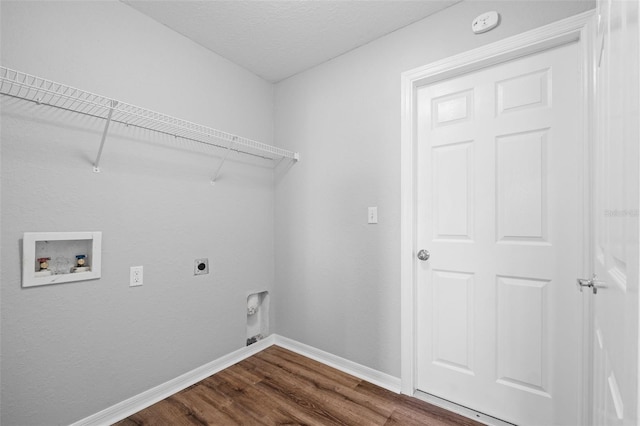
x: 373, y: 215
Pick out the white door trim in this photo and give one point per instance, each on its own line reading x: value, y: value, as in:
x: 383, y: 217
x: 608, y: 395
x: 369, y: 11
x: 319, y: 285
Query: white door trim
x: 578, y: 28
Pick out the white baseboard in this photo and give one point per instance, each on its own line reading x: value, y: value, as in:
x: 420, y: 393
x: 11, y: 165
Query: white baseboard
x: 143, y: 400
x: 358, y: 370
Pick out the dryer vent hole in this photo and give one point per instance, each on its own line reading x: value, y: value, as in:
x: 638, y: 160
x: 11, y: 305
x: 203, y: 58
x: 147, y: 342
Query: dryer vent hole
x: 257, y: 309
x: 254, y: 339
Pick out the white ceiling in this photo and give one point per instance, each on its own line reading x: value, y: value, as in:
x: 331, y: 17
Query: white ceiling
x: 277, y: 39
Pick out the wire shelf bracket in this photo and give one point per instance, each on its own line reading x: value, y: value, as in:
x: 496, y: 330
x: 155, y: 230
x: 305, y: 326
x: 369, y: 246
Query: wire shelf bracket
x: 96, y: 164
x: 226, y: 155
x: 21, y: 85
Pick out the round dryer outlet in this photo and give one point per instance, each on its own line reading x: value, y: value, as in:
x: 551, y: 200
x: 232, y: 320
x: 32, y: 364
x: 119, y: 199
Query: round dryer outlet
x: 201, y: 266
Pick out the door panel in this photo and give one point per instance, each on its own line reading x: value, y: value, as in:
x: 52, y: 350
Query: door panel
x: 453, y: 323
x: 452, y: 176
x: 522, y: 358
x: 521, y: 187
x: 531, y: 90
x: 499, y: 208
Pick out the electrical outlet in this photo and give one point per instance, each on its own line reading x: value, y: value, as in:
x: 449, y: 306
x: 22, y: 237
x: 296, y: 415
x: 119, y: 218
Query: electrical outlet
x: 201, y: 266
x: 135, y: 276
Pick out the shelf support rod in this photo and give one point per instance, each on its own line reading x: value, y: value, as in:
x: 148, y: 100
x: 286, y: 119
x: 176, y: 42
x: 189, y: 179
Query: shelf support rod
x: 96, y: 164
x: 226, y: 155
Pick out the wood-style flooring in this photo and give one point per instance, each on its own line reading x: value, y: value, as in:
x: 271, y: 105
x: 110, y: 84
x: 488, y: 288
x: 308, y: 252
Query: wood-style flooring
x: 280, y: 387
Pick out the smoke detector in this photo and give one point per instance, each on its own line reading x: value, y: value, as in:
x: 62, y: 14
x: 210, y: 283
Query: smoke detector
x: 485, y: 22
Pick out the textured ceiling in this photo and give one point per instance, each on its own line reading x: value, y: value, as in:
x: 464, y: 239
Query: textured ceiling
x: 277, y: 39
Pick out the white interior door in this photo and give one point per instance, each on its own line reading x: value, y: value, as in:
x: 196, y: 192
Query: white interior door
x: 499, y: 208
x: 616, y: 215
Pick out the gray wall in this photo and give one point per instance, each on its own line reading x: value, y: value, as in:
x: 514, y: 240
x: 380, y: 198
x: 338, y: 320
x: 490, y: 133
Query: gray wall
x: 71, y: 350
x: 339, y: 278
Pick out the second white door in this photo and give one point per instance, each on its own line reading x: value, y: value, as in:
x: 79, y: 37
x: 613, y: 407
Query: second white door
x: 500, y: 209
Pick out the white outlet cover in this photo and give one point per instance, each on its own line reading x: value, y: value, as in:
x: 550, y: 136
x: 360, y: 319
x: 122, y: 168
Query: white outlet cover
x: 136, y: 276
x: 485, y: 22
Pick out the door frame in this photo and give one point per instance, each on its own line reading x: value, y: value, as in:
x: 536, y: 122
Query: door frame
x: 578, y: 29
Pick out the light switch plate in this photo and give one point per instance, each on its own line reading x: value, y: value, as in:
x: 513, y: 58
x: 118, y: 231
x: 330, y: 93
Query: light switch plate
x: 372, y: 215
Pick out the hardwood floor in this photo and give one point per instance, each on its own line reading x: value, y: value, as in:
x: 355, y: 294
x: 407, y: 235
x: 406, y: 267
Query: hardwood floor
x: 280, y: 387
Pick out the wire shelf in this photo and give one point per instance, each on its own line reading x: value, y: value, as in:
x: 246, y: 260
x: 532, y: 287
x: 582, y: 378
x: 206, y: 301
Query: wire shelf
x: 46, y: 92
